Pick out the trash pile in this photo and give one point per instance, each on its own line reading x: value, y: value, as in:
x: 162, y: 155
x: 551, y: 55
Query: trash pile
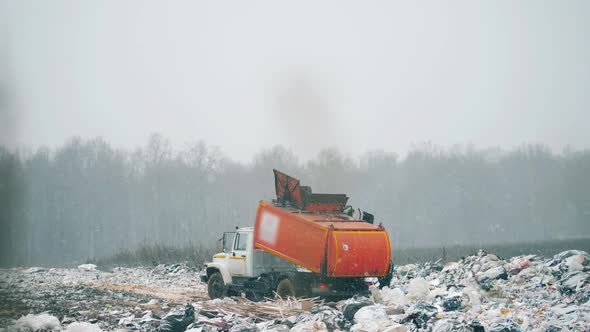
x: 120, y: 298
x: 485, y: 293
x: 481, y: 292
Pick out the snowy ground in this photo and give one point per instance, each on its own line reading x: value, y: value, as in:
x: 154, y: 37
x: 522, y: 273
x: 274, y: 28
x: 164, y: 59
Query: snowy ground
x: 479, y: 293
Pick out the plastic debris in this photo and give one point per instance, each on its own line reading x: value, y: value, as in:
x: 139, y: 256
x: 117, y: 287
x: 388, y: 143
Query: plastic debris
x: 353, y: 305
x: 443, y: 325
x: 83, y: 327
x: 573, y: 282
x: 419, y: 314
x: 479, y: 293
x: 472, y: 296
x: 447, y: 325
x: 42, y: 321
x: 310, y: 326
x: 393, y: 296
x: 375, y: 326
x: 87, y: 267
x: 518, y: 264
x: 395, y: 328
x: 507, y: 326
x: 331, y: 317
x: 418, y: 289
x: 177, y: 321
x: 373, y: 312
x: 34, y: 269
x: 372, y: 319
x: 453, y: 303
x: 497, y: 272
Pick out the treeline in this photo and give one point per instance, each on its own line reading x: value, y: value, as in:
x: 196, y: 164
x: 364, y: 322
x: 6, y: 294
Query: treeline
x: 87, y: 199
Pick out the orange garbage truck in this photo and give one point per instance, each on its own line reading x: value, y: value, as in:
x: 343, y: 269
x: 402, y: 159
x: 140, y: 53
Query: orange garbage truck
x: 302, y: 244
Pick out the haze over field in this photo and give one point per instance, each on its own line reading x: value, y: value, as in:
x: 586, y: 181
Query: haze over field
x: 89, y: 200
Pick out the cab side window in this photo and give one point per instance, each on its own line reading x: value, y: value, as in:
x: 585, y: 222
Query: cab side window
x: 241, y: 241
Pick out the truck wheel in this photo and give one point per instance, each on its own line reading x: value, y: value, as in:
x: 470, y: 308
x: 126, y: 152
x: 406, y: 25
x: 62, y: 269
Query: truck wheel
x: 216, y: 286
x: 285, y: 289
x: 386, y: 280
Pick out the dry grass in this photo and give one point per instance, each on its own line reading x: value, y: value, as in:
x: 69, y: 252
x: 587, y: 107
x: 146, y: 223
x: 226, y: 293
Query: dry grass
x: 154, y: 254
x: 262, y: 311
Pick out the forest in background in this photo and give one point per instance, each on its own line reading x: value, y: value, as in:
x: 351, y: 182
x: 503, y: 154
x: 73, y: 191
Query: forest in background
x: 87, y: 199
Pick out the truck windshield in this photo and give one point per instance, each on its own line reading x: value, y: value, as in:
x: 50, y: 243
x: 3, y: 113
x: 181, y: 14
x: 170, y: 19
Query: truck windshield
x: 228, y: 241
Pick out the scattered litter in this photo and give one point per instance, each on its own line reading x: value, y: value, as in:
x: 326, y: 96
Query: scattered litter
x: 518, y: 264
x: 443, y: 325
x: 497, y: 272
x: 420, y: 314
x: 452, y: 303
x: 83, y: 327
x: 373, y: 312
x: 310, y: 326
x: 177, y: 321
x: 373, y: 326
x: 418, y: 289
x: 332, y: 317
x: 393, y: 296
x: 507, y: 326
x: 479, y: 293
x: 352, y: 306
x: 396, y: 328
x: 483, y: 292
x: 34, y: 269
x: 87, y: 267
x: 573, y: 282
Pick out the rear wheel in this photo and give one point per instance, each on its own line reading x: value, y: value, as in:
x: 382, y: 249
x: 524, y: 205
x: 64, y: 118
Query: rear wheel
x: 285, y: 289
x: 216, y: 286
x: 386, y: 280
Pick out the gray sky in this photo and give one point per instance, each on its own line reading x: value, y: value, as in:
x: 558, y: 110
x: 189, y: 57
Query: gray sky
x: 306, y: 74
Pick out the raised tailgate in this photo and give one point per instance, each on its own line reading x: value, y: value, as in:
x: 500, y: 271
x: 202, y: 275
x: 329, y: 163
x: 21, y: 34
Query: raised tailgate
x: 359, y: 253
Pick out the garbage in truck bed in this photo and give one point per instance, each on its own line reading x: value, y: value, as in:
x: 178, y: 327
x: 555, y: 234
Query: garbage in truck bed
x: 312, y: 231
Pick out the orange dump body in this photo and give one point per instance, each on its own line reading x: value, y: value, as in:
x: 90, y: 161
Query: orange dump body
x: 334, y: 244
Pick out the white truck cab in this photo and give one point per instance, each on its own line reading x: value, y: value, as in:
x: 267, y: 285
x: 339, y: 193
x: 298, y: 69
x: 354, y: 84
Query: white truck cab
x: 239, y: 262
x: 233, y: 261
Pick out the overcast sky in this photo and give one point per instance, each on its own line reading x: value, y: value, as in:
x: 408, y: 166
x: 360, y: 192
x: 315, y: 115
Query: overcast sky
x: 244, y: 75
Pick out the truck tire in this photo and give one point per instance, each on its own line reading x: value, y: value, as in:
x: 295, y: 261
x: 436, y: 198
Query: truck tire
x: 285, y: 289
x: 386, y: 280
x: 216, y: 286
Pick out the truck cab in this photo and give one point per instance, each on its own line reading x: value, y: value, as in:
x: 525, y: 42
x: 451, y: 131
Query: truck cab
x: 229, y: 271
x: 233, y: 261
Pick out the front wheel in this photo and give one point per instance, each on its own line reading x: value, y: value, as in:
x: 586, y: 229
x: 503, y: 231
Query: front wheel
x: 216, y: 286
x: 285, y: 289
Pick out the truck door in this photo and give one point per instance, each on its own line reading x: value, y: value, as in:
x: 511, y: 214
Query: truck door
x: 237, y: 260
